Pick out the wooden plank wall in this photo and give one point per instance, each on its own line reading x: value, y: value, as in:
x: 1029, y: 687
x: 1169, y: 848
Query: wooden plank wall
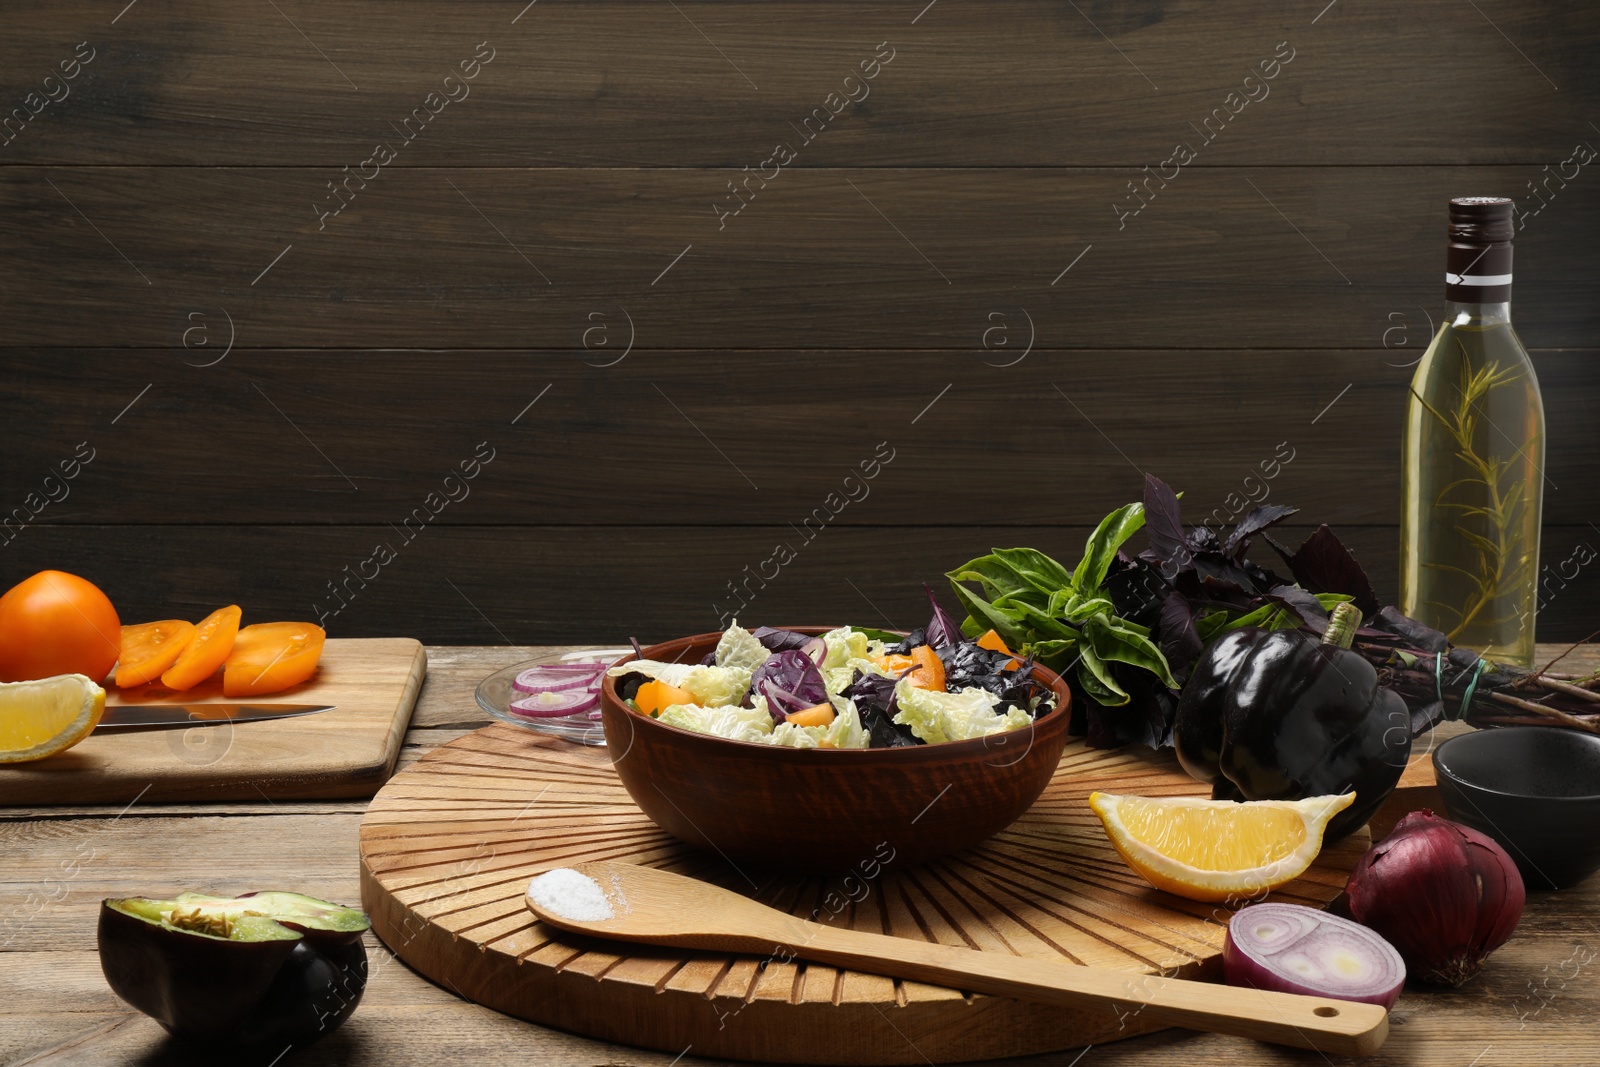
x: 667, y: 280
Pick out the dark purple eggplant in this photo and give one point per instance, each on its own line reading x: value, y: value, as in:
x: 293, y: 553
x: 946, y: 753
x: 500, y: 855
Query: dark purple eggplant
x: 263, y: 969
x: 1280, y: 715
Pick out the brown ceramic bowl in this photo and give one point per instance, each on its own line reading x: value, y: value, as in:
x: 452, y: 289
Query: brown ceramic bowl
x: 824, y: 811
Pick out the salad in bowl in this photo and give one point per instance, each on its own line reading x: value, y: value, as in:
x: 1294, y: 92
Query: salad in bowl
x: 848, y: 688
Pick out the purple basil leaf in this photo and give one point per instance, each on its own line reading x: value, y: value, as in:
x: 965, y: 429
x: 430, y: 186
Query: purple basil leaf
x: 1214, y: 568
x: 1282, y: 550
x: 1301, y: 604
x: 874, y: 700
x: 1180, y: 641
x: 627, y: 685
x: 1145, y: 720
x: 1204, y: 596
x: 916, y: 637
x: 1163, y: 526
x: 1263, y: 578
x: 774, y: 639
x: 943, y: 631
x: 966, y: 666
x: 1256, y: 519
x: 1324, y: 565
x: 1204, y: 539
x: 1224, y: 590
x: 1136, y: 589
x: 1390, y: 620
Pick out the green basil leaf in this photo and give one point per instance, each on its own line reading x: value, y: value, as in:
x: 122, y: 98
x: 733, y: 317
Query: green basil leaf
x: 1086, y: 607
x: 993, y: 573
x: 1102, y: 546
x: 1117, y: 645
x: 1282, y: 619
x: 1043, y: 625
x: 990, y: 617
x: 1210, y: 624
x: 1057, y: 655
x: 1258, y: 617
x: 1035, y: 568
x: 1030, y: 597
x: 1129, y: 625
x: 1095, y: 677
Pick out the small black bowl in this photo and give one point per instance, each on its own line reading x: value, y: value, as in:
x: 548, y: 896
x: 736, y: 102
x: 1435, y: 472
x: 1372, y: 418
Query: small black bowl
x: 1535, y: 790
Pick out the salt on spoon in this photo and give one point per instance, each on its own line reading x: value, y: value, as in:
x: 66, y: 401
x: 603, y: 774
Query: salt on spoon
x: 570, y: 894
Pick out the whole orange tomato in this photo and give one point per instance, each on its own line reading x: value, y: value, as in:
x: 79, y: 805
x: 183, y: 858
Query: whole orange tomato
x: 57, y: 623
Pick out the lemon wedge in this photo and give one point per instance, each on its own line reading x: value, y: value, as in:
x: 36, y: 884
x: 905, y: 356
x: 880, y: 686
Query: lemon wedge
x: 41, y: 718
x: 1217, y: 849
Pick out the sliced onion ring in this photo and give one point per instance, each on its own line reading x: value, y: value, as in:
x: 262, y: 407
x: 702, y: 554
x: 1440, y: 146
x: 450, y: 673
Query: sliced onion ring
x: 1290, y: 948
x: 542, y: 680
x: 551, y: 705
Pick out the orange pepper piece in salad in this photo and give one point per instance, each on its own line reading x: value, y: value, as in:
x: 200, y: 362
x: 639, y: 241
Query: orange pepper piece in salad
x: 927, y: 670
x: 656, y: 696
x: 993, y: 643
x: 894, y: 662
x: 820, y: 715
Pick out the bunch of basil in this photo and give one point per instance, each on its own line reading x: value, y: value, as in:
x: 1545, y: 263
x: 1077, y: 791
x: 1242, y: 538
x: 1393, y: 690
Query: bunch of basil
x: 1070, y: 622
x: 1124, y: 630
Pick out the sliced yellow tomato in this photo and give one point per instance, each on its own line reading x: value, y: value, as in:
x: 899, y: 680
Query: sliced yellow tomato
x: 212, y: 641
x: 270, y: 656
x: 149, y: 648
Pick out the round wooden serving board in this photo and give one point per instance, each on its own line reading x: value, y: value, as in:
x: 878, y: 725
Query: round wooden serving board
x: 448, y: 847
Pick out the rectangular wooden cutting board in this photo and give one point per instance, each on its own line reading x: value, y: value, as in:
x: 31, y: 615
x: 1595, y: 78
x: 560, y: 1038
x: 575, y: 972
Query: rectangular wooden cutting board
x: 347, y: 752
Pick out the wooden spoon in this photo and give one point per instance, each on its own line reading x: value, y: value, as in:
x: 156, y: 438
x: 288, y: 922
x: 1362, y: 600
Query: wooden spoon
x: 661, y: 908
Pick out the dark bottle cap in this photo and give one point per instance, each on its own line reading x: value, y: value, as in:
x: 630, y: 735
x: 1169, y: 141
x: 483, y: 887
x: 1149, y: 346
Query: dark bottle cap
x: 1478, y: 259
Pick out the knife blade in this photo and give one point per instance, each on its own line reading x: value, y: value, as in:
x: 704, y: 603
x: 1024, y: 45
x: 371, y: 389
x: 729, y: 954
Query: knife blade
x: 202, y: 714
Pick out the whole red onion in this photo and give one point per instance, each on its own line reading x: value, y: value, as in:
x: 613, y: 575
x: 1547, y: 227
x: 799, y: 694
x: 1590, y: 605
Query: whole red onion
x: 1443, y: 894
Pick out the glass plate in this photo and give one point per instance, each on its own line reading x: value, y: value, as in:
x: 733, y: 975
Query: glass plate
x: 495, y: 696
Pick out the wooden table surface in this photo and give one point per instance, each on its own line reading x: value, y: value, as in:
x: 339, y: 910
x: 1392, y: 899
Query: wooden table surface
x: 1537, y: 1001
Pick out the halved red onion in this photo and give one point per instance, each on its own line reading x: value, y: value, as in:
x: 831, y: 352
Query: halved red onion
x: 549, y: 705
x: 584, y: 665
x: 1290, y: 948
x: 544, y: 680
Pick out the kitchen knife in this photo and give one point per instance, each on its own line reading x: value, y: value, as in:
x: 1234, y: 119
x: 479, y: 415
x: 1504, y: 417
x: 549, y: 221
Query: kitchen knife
x: 202, y: 714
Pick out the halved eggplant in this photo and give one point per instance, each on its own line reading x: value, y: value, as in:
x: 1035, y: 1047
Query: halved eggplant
x: 262, y: 968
